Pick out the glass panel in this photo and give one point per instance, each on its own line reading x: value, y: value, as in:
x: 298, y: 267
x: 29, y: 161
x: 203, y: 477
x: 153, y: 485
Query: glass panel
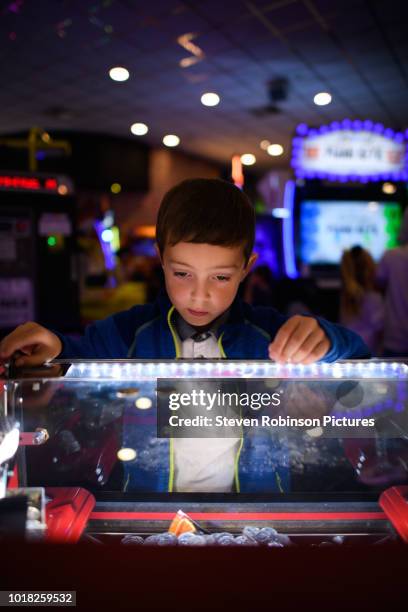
x: 101, y: 424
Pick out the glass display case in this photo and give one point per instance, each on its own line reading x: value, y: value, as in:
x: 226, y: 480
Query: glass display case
x: 312, y: 461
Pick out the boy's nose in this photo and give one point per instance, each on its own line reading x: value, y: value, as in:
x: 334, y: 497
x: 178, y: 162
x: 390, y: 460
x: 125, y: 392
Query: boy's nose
x: 200, y: 291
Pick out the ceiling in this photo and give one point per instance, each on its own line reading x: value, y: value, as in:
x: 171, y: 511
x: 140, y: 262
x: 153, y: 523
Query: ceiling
x: 55, y: 57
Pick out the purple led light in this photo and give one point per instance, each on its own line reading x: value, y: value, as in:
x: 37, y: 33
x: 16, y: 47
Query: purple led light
x: 399, y: 137
x: 288, y: 238
x: 346, y: 123
x: 357, y: 124
x: 313, y: 132
x: 368, y: 125
x: 335, y: 125
x: 302, y: 129
x: 378, y: 128
x: 389, y: 133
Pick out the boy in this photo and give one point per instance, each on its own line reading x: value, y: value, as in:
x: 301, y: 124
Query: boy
x: 205, y: 236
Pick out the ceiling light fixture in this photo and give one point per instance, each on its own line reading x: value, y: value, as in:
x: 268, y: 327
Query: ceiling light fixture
x: 118, y: 73
x: 248, y: 159
x: 264, y: 144
x: 171, y: 140
x: 275, y: 150
x: 210, y: 99
x: 139, y: 129
x: 322, y: 98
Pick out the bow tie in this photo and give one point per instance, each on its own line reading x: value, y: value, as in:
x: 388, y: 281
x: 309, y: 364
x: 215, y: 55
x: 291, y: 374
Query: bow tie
x: 200, y: 336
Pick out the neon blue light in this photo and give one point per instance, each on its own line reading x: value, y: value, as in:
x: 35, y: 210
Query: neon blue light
x: 106, y: 247
x: 288, y: 238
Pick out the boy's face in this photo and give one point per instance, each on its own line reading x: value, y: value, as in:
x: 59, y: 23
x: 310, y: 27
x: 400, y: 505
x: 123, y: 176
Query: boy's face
x: 202, y: 279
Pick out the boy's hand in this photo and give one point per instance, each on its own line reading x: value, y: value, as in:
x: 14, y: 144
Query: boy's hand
x: 36, y: 342
x: 299, y: 340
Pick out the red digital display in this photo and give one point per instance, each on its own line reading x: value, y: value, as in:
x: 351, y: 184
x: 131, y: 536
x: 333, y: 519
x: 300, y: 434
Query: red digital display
x: 28, y: 183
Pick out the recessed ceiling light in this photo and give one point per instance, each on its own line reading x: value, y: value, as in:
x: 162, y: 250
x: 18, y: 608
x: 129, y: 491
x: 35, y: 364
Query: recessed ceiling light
x: 248, y: 159
x: 322, y: 98
x: 264, y: 144
x: 118, y: 73
x: 171, y: 140
x: 210, y: 99
x: 139, y: 129
x: 275, y: 150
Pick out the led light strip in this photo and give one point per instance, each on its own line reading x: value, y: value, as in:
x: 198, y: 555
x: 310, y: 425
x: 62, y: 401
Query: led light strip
x: 226, y: 369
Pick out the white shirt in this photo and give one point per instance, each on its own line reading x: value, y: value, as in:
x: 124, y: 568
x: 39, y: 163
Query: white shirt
x: 204, y: 464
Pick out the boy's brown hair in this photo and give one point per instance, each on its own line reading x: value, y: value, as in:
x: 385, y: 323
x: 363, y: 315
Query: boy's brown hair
x: 209, y: 211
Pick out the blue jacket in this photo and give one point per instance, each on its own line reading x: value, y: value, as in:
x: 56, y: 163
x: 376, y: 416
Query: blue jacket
x: 147, y: 332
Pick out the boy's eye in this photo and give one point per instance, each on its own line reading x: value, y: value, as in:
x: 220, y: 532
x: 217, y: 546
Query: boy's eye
x: 222, y: 277
x: 180, y: 274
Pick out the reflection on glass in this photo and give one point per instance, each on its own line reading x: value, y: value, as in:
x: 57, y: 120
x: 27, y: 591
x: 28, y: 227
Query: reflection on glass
x: 102, y: 420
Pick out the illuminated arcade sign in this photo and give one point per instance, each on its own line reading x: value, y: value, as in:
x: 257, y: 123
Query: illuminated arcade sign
x: 350, y: 151
x: 35, y: 183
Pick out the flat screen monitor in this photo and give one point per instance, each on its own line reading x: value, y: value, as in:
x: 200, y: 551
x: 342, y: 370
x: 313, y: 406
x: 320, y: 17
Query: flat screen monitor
x: 328, y: 227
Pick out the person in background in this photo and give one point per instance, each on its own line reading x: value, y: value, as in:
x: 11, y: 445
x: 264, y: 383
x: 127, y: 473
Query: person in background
x: 361, y: 306
x: 392, y: 276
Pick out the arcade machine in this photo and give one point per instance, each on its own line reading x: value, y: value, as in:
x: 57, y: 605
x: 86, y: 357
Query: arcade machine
x: 350, y: 189
x: 323, y: 462
x: 38, y: 267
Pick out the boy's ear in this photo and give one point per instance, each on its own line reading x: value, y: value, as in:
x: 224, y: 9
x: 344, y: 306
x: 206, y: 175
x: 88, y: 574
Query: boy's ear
x: 251, y: 261
x: 156, y: 246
